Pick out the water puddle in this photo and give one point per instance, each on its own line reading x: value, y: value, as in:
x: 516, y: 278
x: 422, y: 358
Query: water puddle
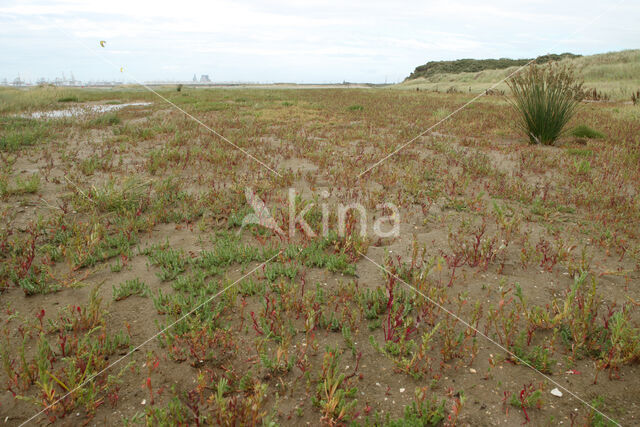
x: 78, y: 111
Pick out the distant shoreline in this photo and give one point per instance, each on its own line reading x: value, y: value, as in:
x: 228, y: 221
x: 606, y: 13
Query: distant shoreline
x: 218, y: 85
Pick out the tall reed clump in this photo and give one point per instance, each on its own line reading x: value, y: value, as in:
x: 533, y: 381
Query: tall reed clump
x: 545, y: 98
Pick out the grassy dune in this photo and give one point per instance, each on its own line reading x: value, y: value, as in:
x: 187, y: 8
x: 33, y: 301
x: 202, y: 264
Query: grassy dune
x: 616, y: 74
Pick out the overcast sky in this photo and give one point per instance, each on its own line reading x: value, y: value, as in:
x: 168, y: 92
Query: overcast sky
x: 296, y: 40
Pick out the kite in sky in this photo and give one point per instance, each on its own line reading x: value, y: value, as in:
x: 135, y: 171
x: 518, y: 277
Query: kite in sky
x: 102, y: 43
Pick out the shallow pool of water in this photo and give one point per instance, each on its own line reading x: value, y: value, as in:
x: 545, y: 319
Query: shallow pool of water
x: 87, y: 109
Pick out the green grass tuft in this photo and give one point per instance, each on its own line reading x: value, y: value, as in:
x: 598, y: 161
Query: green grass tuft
x: 19, y: 132
x: 129, y: 288
x: 545, y: 99
x: 28, y: 186
x: 68, y: 99
x: 108, y: 119
x: 584, y: 131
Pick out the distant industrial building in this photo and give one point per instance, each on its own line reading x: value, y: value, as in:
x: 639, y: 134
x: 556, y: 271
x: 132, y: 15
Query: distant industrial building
x: 205, y: 78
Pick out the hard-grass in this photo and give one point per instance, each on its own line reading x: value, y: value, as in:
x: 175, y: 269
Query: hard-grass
x: 545, y: 99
